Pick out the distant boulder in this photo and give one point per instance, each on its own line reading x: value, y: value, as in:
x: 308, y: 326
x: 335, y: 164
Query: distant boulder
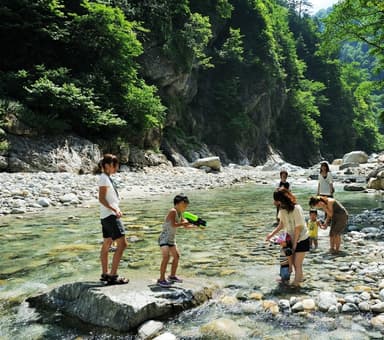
x: 354, y: 187
x: 355, y: 157
x: 212, y: 162
x: 337, y: 161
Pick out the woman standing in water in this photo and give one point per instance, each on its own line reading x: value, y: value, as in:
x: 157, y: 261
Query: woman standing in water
x: 336, y: 214
x: 110, y: 213
x: 291, y: 219
x: 325, y: 185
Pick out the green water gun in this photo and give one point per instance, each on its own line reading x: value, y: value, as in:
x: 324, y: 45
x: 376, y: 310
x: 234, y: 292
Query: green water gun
x: 194, y: 219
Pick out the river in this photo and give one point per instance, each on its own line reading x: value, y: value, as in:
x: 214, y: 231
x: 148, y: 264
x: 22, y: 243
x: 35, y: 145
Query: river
x: 40, y: 251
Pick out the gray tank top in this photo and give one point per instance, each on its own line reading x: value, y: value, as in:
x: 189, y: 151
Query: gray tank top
x: 168, y: 235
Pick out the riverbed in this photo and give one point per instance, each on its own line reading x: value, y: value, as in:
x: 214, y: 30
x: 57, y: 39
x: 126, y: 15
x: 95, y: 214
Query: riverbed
x: 41, y: 251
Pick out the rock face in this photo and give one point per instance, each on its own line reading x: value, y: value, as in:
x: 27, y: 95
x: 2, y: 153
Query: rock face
x: 56, y: 154
x: 68, y: 154
x: 123, y: 307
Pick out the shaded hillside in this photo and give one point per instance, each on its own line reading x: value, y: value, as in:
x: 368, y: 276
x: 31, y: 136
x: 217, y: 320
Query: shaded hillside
x: 228, y: 77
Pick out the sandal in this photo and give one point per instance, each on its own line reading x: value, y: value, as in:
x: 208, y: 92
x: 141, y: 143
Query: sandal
x: 116, y: 280
x: 104, y: 277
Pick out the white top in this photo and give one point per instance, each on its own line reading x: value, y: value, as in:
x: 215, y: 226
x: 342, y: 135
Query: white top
x: 324, y: 183
x: 111, y: 196
x: 293, y: 219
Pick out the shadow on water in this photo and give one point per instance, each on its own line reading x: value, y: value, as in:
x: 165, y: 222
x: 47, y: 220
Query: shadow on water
x: 43, y: 251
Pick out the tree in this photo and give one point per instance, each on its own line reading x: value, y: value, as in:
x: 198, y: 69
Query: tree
x: 356, y: 20
x: 300, y: 7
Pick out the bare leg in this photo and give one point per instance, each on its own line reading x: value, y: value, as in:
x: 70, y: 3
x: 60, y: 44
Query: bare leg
x: 104, y: 255
x: 121, y: 245
x: 337, y: 242
x: 176, y: 255
x: 164, y: 261
x: 332, y: 243
x: 298, y: 259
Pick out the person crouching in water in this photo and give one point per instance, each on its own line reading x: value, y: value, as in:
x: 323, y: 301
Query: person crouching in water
x: 286, y: 258
x: 337, y: 217
x: 291, y: 219
x: 167, y: 239
x: 110, y: 213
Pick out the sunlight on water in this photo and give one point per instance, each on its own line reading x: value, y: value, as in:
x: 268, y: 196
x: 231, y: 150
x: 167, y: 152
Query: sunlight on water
x: 41, y: 251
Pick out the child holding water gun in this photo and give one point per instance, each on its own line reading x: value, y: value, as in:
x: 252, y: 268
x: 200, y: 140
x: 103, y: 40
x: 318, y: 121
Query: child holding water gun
x: 167, y: 239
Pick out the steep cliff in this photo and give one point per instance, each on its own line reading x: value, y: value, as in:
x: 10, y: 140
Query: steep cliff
x: 228, y: 108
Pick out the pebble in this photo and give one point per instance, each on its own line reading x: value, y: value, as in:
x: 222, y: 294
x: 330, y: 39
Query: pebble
x: 359, y: 280
x: 47, y: 190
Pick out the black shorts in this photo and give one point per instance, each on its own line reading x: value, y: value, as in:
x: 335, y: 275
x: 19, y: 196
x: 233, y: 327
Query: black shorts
x: 112, y: 227
x: 167, y: 245
x: 303, y: 246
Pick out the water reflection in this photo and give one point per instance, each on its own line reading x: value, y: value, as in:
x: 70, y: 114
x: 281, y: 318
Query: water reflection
x: 40, y: 251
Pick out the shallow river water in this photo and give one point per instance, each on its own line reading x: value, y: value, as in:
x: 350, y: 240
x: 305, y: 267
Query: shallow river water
x: 40, y: 251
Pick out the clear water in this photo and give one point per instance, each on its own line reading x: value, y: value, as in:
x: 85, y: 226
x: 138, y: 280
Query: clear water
x: 39, y: 251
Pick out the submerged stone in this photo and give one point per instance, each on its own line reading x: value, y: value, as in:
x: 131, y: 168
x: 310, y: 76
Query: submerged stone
x: 222, y: 329
x: 378, y: 321
x: 123, y: 307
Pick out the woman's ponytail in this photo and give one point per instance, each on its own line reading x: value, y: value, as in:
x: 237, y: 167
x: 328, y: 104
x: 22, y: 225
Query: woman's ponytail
x: 108, y: 158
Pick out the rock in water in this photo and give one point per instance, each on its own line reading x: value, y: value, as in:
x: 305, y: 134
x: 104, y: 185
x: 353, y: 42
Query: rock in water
x: 123, y: 307
x: 223, y: 329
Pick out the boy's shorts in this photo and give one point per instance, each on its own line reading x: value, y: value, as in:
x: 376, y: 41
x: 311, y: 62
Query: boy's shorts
x: 313, y: 238
x: 284, y: 273
x: 112, y: 227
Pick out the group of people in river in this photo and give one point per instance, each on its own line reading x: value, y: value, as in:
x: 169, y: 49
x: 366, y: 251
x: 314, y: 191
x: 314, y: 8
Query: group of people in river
x: 295, y: 241
x: 300, y: 236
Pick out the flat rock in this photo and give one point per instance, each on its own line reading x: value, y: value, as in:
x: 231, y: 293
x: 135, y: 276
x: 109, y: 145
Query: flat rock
x: 123, y: 307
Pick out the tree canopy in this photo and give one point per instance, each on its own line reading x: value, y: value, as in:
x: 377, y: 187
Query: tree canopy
x: 236, y: 75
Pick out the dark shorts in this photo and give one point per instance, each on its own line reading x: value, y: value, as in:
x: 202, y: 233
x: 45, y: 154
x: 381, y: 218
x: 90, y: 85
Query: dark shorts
x: 167, y: 245
x: 303, y: 246
x: 112, y: 227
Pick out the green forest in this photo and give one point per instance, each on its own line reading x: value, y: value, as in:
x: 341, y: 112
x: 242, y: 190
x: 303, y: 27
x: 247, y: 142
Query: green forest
x: 237, y: 76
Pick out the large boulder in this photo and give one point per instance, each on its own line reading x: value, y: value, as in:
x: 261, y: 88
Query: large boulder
x: 375, y: 183
x: 123, y: 307
x: 355, y: 157
x: 210, y: 162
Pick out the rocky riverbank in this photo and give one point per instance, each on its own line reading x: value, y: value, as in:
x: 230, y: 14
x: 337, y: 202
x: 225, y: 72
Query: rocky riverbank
x: 33, y: 192
x: 340, y: 292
